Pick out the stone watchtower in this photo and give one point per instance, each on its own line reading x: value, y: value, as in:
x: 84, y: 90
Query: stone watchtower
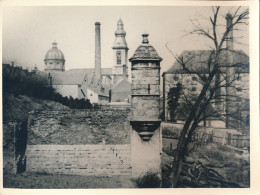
x: 120, y: 68
x: 145, y: 120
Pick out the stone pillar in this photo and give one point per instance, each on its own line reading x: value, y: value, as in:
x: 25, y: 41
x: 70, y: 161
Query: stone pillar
x: 145, y: 120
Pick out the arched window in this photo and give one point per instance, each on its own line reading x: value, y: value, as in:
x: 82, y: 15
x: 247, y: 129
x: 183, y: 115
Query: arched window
x: 118, y: 57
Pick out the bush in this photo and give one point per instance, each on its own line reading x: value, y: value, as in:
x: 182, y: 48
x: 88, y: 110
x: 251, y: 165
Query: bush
x: 21, y: 82
x: 149, y: 180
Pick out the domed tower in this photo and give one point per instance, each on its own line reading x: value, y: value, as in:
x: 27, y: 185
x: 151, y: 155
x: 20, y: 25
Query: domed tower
x: 120, y: 68
x: 54, y: 59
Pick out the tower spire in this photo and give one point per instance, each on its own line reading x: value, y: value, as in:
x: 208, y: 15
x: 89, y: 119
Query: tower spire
x: 120, y: 33
x: 120, y: 68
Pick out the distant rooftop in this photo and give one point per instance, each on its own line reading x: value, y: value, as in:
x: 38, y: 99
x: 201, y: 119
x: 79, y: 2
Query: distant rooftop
x: 197, y: 61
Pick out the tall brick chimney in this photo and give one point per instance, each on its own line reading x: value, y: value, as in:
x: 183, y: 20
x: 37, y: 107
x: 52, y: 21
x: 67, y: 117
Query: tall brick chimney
x: 97, y: 52
x: 230, y: 77
x: 229, y: 40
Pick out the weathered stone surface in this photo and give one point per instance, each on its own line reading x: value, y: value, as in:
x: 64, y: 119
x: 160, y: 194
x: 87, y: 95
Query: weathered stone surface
x: 92, y: 160
x: 145, y: 107
x: 145, y: 89
x: 9, y: 163
x: 146, y: 72
x: 145, y: 156
x: 79, y: 127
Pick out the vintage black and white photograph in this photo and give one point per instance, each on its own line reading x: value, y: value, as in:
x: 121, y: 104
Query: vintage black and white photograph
x: 126, y: 97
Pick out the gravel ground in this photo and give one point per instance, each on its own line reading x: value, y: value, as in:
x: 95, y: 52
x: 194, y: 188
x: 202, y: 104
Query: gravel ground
x: 51, y: 181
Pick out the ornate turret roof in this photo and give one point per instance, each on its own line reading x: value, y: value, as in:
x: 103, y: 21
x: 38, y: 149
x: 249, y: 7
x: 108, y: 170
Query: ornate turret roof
x: 120, y: 33
x: 54, y: 53
x: 145, y: 51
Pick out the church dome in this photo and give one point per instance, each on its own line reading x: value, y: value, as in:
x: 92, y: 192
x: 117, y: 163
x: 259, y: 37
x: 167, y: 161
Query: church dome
x: 145, y: 51
x: 54, y: 53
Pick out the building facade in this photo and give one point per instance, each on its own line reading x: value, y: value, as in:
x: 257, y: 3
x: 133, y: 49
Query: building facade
x: 231, y: 99
x: 191, y: 84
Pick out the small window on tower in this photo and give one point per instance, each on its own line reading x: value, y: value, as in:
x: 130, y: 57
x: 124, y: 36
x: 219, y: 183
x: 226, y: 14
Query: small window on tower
x: 118, y: 57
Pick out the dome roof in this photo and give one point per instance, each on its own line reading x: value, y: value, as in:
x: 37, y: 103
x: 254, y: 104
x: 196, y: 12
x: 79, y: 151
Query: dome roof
x: 54, y: 53
x: 145, y: 51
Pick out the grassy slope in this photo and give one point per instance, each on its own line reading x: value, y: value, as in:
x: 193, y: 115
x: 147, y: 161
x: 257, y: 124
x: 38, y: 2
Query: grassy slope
x: 17, y: 108
x: 229, y: 162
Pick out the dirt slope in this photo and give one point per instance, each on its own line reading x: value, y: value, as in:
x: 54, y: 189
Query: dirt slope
x: 17, y: 108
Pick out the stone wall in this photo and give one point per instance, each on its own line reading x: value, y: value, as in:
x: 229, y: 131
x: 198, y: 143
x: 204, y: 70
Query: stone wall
x: 82, y: 142
x: 91, y: 160
x: 76, y: 127
x: 9, y: 158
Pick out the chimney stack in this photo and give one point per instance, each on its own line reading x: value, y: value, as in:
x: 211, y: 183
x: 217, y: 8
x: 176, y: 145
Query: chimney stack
x: 97, y: 52
x: 229, y: 40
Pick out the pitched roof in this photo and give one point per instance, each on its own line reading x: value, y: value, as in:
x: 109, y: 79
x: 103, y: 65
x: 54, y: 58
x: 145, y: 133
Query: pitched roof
x: 106, y: 71
x: 145, y: 51
x: 71, y: 77
x: 77, y: 77
x: 197, y: 61
x: 120, y: 81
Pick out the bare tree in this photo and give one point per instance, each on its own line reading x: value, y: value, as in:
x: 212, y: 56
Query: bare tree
x: 220, y: 73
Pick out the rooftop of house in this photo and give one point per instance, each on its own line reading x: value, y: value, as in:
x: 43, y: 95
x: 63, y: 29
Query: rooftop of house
x: 78, y: 76
x: 197, y: 61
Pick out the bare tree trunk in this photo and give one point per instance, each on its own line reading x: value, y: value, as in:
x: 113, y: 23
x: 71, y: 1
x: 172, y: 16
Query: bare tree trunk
x: 203, y: 100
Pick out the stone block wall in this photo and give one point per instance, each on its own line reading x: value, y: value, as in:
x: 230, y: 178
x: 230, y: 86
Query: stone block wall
x: 90, y: 160
x: 76, y: 127
x: 81, y: 142
x: 9, y: 157
x: 146, y: 107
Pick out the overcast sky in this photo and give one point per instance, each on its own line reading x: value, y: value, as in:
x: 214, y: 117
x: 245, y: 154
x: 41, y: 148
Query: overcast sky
x: 28, y: 32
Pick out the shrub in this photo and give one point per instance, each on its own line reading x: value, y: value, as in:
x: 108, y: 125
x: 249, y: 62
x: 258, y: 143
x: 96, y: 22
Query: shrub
x: 19, y: 81
x: 149, y: 180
